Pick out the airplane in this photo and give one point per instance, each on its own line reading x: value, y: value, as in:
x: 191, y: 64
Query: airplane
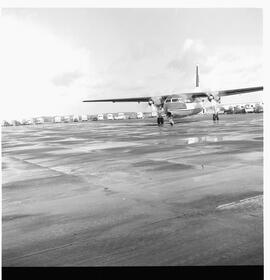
x: 183, y: 104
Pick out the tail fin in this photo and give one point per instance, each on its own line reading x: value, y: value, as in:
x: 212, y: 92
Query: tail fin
x: 197, y: 76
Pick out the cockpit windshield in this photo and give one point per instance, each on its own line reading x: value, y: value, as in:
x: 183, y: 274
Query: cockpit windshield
x: 179, y: 99
x: 169, y: 100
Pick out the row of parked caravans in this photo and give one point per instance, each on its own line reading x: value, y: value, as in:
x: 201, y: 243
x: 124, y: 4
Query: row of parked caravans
x: 119, y: 116
x: 74, y: 118
x: 23, y: 122
x: 242, y: 108
x: 237, y: 108
x: 100, y: 117
x: 42, y: 120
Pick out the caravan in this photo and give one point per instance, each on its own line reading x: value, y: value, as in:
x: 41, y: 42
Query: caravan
x: 110, y: 117
x: 140, y: 115
x: 100, y: 117
x: 120, y: 116
x: 84, y: 118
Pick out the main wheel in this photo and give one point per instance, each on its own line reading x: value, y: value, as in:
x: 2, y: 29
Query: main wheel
x: 214, y: 117
x: 160, y: 121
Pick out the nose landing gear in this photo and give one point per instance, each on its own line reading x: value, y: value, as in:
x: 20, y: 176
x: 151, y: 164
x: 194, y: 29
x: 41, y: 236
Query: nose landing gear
x: 215, y: 117
x: 171, y: 121
x: 170, y: 118
x: 160, y: 120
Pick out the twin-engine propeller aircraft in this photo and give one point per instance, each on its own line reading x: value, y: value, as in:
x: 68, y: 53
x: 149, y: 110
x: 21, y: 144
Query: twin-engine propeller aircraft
x: 183, y: 104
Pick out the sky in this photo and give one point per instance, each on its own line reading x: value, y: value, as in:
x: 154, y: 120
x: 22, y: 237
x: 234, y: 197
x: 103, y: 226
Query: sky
x: 52, y: 59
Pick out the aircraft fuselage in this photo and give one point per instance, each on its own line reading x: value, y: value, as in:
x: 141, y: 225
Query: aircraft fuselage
x: 179, y: 106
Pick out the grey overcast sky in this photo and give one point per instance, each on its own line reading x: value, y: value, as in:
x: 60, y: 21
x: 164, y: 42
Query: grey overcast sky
x: 55, y: 58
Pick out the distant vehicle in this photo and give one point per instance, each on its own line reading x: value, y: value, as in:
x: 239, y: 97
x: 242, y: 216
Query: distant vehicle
x: 75, y: 118
x: 57, y: 119
x: 258, y: 108
x: 6, y: 123
x: 154, y: 114
x: 28, y: 122
x: 100, y: 117
x: 132, y: 116
x: 110, y: 117
x: 140, y: 115
x: 229, y: 110
x: 239, y: 110
x: 147, y: 115
x: 221, y: 110
x: 67, y: 119
x: 249, y: 109
x: 243, y: 109
x: 39, y: 121
x: 15, y: 123
x: 84, y: 118
x: 120, y: 116
x: 23, y: 121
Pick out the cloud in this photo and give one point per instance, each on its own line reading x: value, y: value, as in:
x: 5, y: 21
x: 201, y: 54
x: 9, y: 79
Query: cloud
x: 66, y: 79
x: 116, y: 87
x: 193, y: 45
x: 222, y: 67
x: 191, y: 53
x: 234, y: 67
x: 41, y: 73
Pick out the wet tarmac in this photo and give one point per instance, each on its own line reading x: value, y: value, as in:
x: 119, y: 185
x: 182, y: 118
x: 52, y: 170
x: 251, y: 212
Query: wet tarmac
x: 125, y: 193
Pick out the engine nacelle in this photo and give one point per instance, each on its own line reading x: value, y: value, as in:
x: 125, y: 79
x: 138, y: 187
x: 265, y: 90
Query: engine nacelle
x: 214, y: 95
x: 156, y: 101
x: 150, y: 102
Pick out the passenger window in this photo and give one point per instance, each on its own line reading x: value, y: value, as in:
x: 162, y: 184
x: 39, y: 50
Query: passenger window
x: 174, y: 100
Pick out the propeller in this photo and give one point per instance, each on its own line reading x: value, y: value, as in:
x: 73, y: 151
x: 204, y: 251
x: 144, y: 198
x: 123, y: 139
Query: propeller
x: 156, y: 104
x: 214, y: 95
x: 157, y: 101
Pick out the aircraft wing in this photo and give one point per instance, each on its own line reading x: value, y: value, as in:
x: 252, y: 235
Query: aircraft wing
x: 132, y: 99
x: 226, y: 92
x: 239, y: 91
x: 187, y: 94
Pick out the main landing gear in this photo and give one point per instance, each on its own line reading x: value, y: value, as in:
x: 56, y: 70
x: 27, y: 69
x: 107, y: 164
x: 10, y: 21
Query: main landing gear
x: 170, y: 118
x: 215, y: 117
x: 171, y: 122
x: 160, y: 121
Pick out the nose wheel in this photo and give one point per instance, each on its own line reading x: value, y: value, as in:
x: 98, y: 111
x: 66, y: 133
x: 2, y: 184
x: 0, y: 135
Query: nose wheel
x: 171, y: 122
x: 215, y: 117
x: 160, y: 121
x: 170, y: 118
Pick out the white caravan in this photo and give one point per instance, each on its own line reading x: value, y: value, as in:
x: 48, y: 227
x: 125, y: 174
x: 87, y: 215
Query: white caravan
x: 75, y: 118
x: 57, y: 119
x: 39, y: 121
x: 140, y: 115
x: 84, y: 118
x: 110, y: 117
x: 120, y: 116
x: 100, y: 117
